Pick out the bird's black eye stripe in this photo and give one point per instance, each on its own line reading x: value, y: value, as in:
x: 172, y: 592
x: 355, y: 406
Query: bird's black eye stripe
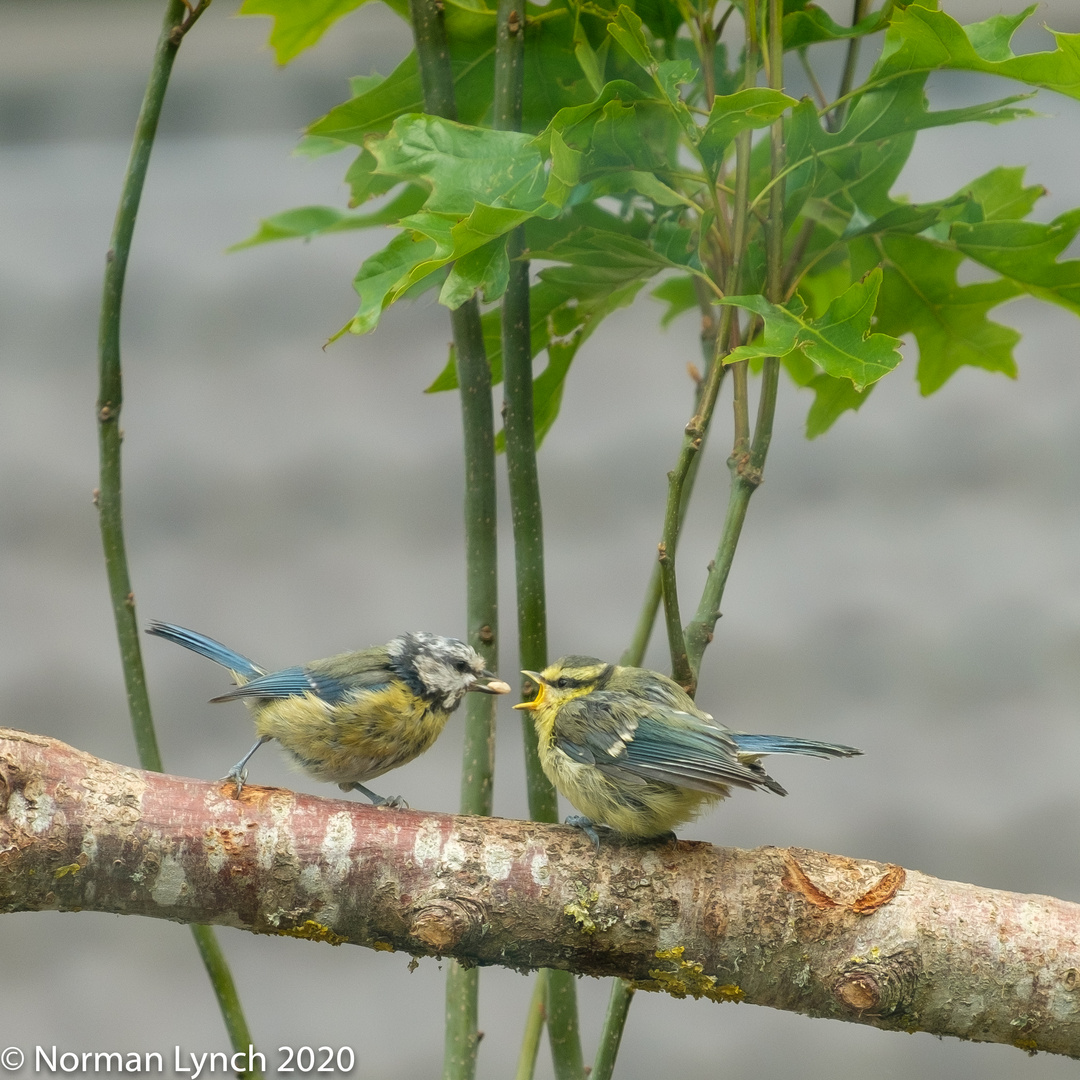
x: 564, y: 682
x: 462, y: 665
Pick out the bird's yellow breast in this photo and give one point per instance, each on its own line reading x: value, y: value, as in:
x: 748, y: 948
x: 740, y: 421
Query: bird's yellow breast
x: 355, y: 740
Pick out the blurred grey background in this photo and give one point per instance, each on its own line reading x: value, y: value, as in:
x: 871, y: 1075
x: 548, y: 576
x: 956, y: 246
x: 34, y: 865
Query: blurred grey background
x: 909, y: 583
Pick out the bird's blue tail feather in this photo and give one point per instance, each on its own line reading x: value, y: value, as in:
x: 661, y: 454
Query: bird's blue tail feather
x: 206, y: 646
x: 784, y: 744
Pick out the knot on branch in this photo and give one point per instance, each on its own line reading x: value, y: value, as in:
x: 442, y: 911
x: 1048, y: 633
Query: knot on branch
x: 749, y: 473
x: 882, y: 985
x: 442, y: 923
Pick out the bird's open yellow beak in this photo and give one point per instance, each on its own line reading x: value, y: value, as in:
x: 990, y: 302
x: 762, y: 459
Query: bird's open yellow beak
x: 538, y: 700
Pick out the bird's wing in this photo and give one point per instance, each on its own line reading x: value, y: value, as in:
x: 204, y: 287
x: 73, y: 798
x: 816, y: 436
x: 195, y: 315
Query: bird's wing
x: 290, y: 682
x: 653, y: 742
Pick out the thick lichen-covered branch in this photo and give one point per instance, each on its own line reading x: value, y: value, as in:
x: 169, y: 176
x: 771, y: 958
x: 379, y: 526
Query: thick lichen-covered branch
x: 824, y: 935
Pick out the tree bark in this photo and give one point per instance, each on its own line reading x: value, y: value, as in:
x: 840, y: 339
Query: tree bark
x: 849, y: 939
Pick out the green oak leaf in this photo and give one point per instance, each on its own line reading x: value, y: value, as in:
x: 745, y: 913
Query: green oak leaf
x: 306, y: 222
x: 626, y: 29
x: 485, y: 270
x: 298, y: 24
x: 1002, y: 195
x: 623, y: 130
x: 1026, y: 253
x: 562, y: 319
x: 920, y: 295
x: 920, y: 40
x: 381, y: 274
x: 472, y: 53
x: 377, y: 108
x: 598, y: 260
x: 811, y: 24
x: 455, y: 238
x: 461, y: 164
x: 364, y: 182
x: 832, y: 397
x: 753, y: 108
x: 840, y: 342
x: 833, y: 174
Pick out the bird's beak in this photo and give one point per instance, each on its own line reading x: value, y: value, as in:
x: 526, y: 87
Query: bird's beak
x: 489, y: 683
x: 538, y: 700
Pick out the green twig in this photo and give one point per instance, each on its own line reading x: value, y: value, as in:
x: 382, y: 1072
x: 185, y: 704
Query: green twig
x: 835, y: 120
x: 474, y: 380
x: 697, y: 634
x: 528, y: 524
x: 228, y: 1000
x: 534, y: 1027
x: 634, y: 653
x: 747, y: 461
x: 179, y: 18
x: 525, y: 506
x: 564, y: 1033
x: 611, y: 1035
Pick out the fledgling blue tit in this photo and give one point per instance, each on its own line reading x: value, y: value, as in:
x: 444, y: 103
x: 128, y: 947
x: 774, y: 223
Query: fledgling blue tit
x: 355, y: 716
x: 631, y: 750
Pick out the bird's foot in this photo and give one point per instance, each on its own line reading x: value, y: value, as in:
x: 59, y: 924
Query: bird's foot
x: 388, y: 802
x: 238, y: 776
x: 588, y: 827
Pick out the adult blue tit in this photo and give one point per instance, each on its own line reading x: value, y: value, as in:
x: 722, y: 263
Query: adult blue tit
x: 631, y: 750
x: 352, y: 717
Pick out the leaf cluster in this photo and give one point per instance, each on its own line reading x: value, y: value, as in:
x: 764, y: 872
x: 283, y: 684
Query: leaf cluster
x: 624, y: 173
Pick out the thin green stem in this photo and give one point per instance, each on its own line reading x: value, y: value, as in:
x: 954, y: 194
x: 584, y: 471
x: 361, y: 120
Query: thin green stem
x: 109, y: 497
x: 481, y: 569
x: 836, y: 119
x: 634, y: 653
x: 534, y: 1027
x: 564, y: 1033
x: 524, y: 482
x: 462, y: 1038
x: 433, y: 58
x: 527, y: 519
x: 684, y: 667
x: 819, y: 90
x: 611, y: 1035
x: 221, y: 979
x: 478, y: 767
x: 697, y: 635
x: 747, y: 461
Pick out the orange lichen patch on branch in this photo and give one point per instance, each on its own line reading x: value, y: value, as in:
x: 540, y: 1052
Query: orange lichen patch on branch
x: 841, y: 883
